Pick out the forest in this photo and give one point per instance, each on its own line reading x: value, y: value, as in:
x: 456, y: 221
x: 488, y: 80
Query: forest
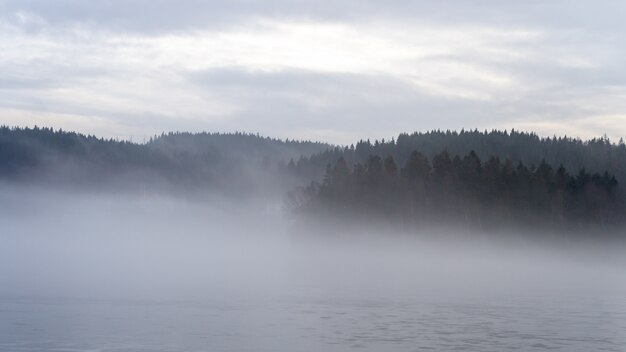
x: 464, y: 191
x: 595, y: 155
x: 476, y: 179
x: 230, y: 163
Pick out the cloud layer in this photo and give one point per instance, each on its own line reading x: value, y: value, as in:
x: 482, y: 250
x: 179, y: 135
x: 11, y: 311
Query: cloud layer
x: 334, y: 72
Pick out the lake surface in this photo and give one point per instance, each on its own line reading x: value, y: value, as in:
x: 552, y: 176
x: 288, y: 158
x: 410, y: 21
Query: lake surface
x: 318, y: 322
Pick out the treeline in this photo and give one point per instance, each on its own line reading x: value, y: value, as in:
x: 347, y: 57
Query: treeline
x: 511, y: 177
x: 29, y: 152
x: 226, y: 162
x: 595, y: 155
x: 466, y: 192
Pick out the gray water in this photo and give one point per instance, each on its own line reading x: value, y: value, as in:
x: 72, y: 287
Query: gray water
x: 317, y: 323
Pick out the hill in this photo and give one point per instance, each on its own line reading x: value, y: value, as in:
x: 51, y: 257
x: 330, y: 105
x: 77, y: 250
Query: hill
x: 231, y: 162
x: 595, y: 155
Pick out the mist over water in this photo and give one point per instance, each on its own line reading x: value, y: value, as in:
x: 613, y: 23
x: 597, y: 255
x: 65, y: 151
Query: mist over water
x: 86, y: 271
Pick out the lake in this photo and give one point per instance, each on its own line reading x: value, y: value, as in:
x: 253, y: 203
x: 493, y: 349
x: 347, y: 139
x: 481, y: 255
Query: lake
x: 317, y: 322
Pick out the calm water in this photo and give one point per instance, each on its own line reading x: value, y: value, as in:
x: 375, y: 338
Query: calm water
x: 321, y: 322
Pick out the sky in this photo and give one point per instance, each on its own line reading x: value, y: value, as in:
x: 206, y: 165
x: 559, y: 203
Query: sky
x: 334, y: 71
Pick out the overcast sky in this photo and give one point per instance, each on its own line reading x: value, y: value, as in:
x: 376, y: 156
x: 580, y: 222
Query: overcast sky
x: 335, y: 71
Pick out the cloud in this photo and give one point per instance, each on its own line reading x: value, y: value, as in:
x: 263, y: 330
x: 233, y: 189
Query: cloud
x: 341, y: 70
x: 299, y: 102
x: 157, y: 16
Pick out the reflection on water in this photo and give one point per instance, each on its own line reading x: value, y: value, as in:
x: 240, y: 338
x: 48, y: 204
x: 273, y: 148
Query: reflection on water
x: 321, y: 323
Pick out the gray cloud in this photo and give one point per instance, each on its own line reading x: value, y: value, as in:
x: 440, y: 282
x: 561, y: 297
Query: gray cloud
x: 335, y: 71
x: 156, y: 15
x: 360, y: 106
x: 166, y: 15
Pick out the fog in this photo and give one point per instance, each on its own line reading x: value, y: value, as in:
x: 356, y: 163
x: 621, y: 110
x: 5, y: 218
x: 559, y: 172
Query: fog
x: 93, y: 271
x: 94, y: 245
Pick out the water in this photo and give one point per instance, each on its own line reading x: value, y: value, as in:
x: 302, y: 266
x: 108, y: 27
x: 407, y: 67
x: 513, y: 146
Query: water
x: 321, y: 322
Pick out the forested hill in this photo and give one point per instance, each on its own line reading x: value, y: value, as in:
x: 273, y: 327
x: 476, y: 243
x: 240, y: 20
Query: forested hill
x: 473, y: 179
x: 465, y: 191
x: 212, y: 148
x: 233, y: 162
x: 595, y: 155
x: 239, y: 162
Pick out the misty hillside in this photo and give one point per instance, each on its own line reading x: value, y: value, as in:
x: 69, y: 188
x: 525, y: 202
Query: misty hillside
x: 237, y: 145
x: 229, y: 162
x: 493, y: 194
x: 480, y: 180
x: 476, y: 179
x: 595, y: 155
x: 239, y: 161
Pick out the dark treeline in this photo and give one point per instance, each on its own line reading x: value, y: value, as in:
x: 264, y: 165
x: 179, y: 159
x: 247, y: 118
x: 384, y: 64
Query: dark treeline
x: 510, y: 178
x: 466, y: 192
x: 229, y: 162
x: 595, y: 155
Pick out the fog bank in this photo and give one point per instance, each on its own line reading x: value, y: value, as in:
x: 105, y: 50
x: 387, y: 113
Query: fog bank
x: 83, y: 245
